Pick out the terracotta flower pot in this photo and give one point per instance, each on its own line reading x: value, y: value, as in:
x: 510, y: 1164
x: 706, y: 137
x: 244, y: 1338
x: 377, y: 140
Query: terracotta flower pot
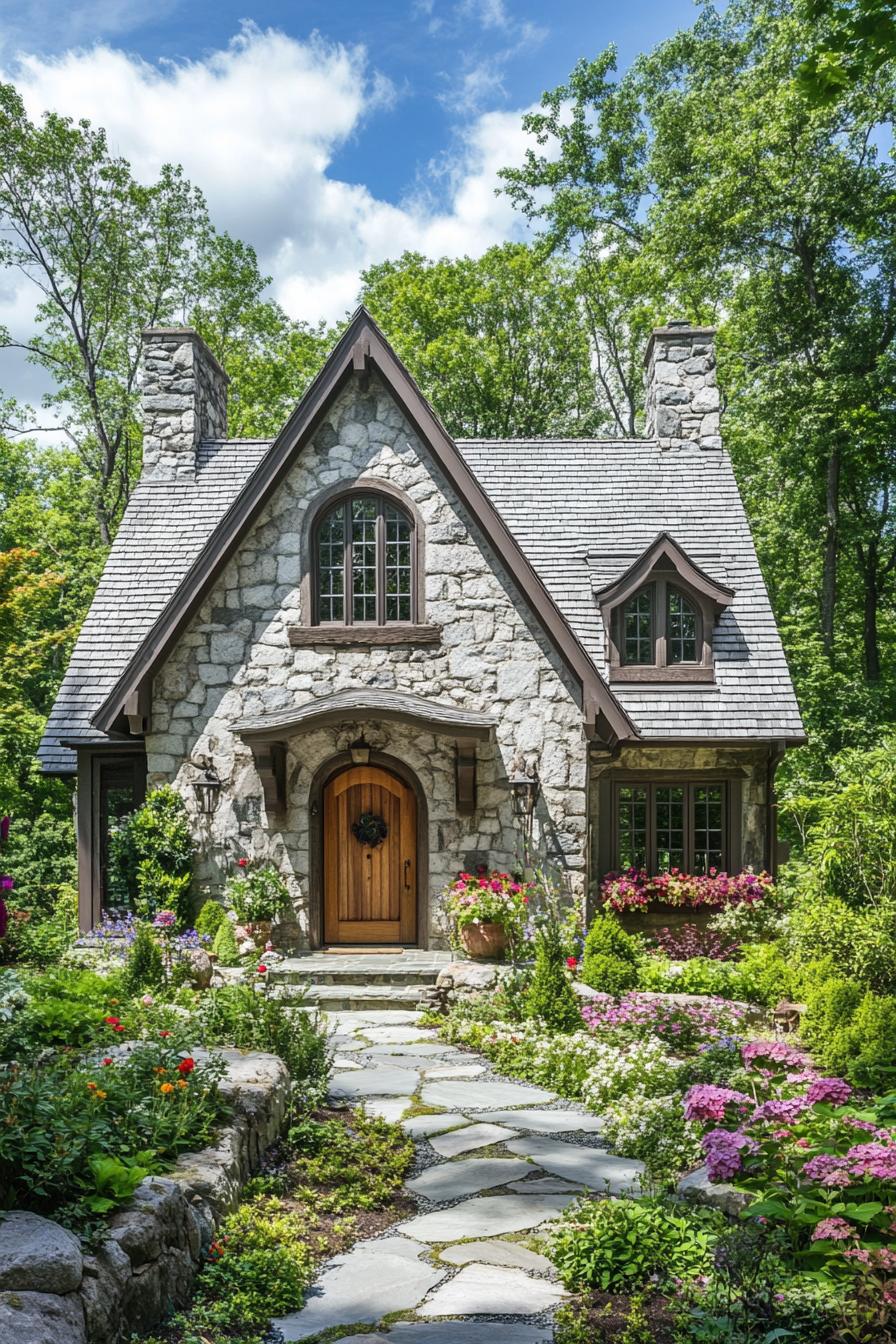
x: 484, y: 942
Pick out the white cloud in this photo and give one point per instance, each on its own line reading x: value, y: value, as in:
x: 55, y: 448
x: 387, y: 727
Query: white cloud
x: 256, y: 127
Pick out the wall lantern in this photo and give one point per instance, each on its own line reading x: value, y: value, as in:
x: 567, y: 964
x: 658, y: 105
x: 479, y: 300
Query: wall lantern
x: 524, y: 789
x: 360, y: 750
x: 208, y: 787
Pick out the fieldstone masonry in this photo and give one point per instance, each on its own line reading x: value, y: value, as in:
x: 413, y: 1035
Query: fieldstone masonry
x: 52, y: 1292
x: 682, y: 405
x: 235, y: 661
x: 184, y: 400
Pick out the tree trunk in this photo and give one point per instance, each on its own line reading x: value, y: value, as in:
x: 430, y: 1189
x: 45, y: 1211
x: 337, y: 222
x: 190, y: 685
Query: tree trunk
x: 831, y: 551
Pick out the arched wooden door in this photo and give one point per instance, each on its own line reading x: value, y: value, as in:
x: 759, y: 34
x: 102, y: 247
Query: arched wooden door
x: 370, y: 884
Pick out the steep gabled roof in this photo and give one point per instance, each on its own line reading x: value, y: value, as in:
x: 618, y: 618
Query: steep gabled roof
x: 361, y: 347
x: 663, y: 548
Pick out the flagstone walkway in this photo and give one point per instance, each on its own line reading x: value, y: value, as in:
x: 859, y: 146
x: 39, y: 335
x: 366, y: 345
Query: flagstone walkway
x: 496, y: 1162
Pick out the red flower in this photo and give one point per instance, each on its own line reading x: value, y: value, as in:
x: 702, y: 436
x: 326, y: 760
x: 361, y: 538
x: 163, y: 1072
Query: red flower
x: 118, y: 1027
x: 164, y: 1033
x: 242, y: 863
x: 262, y: 969
x: 186, y: 1066
x: 112, y: 1021
x: 572, y: 962
x: 108, y: 1060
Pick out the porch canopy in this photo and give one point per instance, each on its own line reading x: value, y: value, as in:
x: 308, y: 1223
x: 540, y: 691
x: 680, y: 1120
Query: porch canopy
x: 364, y: 703
x: 266, y: 734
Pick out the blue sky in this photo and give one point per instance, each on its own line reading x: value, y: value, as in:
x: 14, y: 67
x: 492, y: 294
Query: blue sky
x: 329, y: 135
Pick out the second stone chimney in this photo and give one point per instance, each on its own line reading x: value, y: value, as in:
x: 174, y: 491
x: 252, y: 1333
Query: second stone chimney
x: 682, y: 403
x: 184, y: 400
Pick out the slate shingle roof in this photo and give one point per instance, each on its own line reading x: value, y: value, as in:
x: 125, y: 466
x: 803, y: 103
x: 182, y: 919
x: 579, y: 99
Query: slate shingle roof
x: 581, y: 511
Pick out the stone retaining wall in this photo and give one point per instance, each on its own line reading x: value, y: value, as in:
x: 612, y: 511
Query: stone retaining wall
x: 53, y: 1293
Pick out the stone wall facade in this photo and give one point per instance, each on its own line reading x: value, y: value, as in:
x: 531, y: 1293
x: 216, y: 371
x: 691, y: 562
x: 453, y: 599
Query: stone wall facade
x: 53, y: 1293
x: 184, y: 400
x: 682, y: 405
x: 235, y: 661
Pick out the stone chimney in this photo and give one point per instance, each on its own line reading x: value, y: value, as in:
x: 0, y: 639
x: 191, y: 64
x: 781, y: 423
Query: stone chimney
x: 682, y: 404
x: 184, y: 400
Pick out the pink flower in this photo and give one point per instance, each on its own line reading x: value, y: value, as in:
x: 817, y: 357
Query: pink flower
x: 165, y: 919
x: 833, y: 1229
x: 833, y: 1090
x: 706, y: 1102
x: 147, y: 1000
x: 724, y: 1153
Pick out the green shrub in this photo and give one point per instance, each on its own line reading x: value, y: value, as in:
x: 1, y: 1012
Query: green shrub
x: 40, y: 858
x: 864, y: 1049
x: 550, y: 996
x: 764, y: 973
x: 151, y: 855
x: 261, y: 1266
x: 42, y: 942
x: 617, y: 1245
x: 610, y: 958
x: 239, y: 1015
x: 257, y: 894
x: 860, y: 942
x: 65, y: 1008
x: 144, y: 968
x: 210, y: 918
x: 225, y: 945
x: 831, y: 1002
x: 700, y: 975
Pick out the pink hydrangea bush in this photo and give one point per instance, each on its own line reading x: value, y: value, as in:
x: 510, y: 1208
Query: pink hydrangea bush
x: 815, y: 1163
x: 635, y: 889
x: 689, y: 941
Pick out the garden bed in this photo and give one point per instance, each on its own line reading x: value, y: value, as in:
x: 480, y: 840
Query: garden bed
x: 156, y: 1242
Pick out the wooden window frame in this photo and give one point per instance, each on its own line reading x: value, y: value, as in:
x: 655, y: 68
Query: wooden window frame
x: 732, y: 843
x: 345, y: 502
x: 94, y: 767
x: 659, y: 586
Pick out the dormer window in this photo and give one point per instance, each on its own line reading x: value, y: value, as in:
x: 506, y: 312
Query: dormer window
x: 659, y: 617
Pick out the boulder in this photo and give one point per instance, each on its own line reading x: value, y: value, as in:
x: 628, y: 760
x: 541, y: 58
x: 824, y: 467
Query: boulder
x: 583, y: 991
x: 42, y: 1318
x: 200, y: 967
x: 698, y: 1188
x: 38, y: 1255
x: 102, y: 1290
x: 468, y: 976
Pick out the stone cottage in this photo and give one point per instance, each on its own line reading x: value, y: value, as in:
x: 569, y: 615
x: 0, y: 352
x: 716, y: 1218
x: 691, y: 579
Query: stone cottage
x: 375, y: 655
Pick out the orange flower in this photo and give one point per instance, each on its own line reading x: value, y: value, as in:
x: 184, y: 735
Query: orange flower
x: 159, y: 1069
x: 166, y: 1088
x: 100, y: 1094
x: 181, y: 1083
x: 91, y: 1087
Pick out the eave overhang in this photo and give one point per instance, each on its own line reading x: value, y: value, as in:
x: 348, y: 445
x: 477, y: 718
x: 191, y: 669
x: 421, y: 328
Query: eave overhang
x: 367, y: 706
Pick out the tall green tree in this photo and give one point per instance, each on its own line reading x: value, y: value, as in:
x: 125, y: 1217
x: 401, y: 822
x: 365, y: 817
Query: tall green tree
x: 499, y: 344
x: 735, y: 196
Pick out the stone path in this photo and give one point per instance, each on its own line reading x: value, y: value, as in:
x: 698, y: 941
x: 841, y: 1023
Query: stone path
x: 496, y: 1163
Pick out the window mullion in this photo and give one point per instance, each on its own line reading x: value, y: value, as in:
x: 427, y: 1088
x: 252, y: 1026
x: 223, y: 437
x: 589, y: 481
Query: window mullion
x: 661, y: 620
x: 348, y: 609
x: 691, y: 827
x: 380, y: 565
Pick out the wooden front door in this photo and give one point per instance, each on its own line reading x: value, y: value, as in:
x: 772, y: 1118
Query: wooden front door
x: 370, y: 888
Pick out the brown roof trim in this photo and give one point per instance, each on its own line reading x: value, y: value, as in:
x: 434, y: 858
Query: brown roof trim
x: 665, y: 546
x: 360, y: 345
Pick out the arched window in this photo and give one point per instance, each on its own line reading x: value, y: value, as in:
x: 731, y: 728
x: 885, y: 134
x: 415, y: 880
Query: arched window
x: 681, y: 628
x: 637, y: 629
x: 364, y: 563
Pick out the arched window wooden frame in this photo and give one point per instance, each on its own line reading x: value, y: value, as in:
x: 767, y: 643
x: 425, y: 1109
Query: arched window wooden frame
x: 660, y: 587
x: 313, y: 630
x: 381, y: 511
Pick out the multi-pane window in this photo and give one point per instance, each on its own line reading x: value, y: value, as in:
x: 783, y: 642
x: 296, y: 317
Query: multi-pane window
x: 681, y: 628
x: 365, y: 563
x: 637, y: 628
x: 659, y: 826
x: 659, y: 627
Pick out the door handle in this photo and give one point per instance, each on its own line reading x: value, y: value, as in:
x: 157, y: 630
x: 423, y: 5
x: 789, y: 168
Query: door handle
x: 407, y: 869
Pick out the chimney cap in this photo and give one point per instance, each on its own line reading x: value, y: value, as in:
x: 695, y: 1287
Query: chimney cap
x: 153, y: 334
x: 675, y: 329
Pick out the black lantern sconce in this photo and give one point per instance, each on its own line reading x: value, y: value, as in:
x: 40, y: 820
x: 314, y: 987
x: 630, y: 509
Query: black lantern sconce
x: 360, y: 750
x: 524, y: 790
x: 207, y: 785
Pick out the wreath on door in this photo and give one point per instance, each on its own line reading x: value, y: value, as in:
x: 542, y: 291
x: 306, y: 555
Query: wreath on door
x: 370, y: 830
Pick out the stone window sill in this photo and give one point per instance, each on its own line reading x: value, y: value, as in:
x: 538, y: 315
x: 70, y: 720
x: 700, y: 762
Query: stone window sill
x: 369, y: 636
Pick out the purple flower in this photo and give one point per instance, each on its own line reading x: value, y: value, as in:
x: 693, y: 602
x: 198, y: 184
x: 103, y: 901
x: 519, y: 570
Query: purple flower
x: 827, y: 1170
x: 787, y: 1109
x: 165, y: 919
x: 706, y: 1102
x: 834, y: 1090
x: 724, y: 1149
x: 876, y: 1160
x: 6, y: 884
x: 4, y: 830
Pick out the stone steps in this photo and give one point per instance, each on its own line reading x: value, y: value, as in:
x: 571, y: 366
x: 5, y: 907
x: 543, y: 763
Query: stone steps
x: 347, y: 998
x: 405, y: 975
